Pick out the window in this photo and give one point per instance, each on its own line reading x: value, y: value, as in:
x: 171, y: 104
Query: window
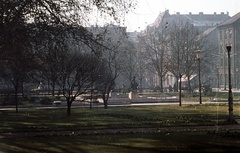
x: 230, y: 33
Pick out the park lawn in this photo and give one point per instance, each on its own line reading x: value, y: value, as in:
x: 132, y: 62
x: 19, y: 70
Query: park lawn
x: 35, y: 120
x: 116, y: 117
x: 195, y: 96
x: 128, y: 143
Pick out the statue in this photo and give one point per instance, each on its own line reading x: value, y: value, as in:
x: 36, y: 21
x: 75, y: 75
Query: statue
x: 134, y: 84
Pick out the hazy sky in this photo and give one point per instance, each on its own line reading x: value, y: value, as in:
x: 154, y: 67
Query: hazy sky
x: 148, y: 10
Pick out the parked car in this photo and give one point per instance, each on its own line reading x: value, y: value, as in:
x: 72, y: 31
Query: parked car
x: 57, y: 102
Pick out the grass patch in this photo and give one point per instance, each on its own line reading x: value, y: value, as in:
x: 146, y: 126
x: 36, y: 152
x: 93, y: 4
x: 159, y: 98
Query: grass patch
x: 34, y: 120
x: 134, y: 143
x: 119, y: 117
x: 210, y: 96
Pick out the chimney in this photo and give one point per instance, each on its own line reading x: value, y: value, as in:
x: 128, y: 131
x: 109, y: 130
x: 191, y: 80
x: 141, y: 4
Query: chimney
x: 190, y: 13
x: 167, y: 11
x: 178, y: 13
x: 200, y: 13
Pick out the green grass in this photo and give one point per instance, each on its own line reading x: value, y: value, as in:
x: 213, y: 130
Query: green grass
x: 145, y: 116
x: 195, y: 96
x: 127, y: 143
x: 115, y: 117
x: 210, y: 96
x: 34, y: 120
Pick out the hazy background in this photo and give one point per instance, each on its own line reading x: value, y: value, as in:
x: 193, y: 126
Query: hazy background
x: 148, y: 10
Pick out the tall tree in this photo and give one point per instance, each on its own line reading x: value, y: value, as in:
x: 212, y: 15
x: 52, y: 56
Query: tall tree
x: 111, y: 55
x: 105, y: 82
x: 184, y: 44
x: 157, y: 47
x: 129, y: 63
x: 16, y: 57
x: 142, y: 61
x: 15, y: 17
x: 77, y: 75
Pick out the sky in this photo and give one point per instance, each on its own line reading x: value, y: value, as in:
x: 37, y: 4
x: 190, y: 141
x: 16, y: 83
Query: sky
x: 147, y: 10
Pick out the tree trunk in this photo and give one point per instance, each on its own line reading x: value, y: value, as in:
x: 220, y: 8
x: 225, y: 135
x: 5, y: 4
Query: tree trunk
x: 16, y: 98
x: 141, y: 86
x: 53, y: 88
x: 180, y: 90
x: 105, y: 100
x: 22, y: 89
x: 16, y: 94
x: 189, y: 85
x: 69, y: 103
x: 161, y: 84
x: 105, y: 104
x: 176, y: 85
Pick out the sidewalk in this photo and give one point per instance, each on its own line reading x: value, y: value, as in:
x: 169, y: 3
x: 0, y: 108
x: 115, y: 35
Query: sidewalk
x: 157, y: 100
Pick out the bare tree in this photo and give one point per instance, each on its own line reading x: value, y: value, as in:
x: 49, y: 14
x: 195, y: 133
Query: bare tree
x: 129, y: 63
x: 184, y: 43
x: 78, y: 72
x: 157, y: 52
x: 105, y: 82
x: 16, y: 71
x: 15, y: 17
x: 50, y: 42
x: 142, y: 60
x: 112, y: 40
x: 16, y: 58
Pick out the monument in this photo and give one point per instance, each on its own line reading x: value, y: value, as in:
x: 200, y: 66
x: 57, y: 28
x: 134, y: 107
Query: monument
x: 133, y: 92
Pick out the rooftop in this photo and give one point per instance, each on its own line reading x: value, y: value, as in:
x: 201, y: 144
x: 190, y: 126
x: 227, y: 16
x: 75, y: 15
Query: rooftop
x: 200, y: 19
x: 231, y: 20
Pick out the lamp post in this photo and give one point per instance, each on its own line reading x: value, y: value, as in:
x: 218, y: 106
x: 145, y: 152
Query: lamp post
x: 230, y: 97
x: 236, y: 76
x: 198, y: 54
x: 218, y: 77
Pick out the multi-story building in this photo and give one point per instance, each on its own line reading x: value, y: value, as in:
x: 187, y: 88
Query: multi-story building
x: 205, y: 23
x: 201, y: 20
x: 229, y: 35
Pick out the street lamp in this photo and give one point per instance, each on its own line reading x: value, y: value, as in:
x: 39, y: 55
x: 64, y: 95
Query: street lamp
x: 218, y: 75
x: 230, y: 97
x: 198, y: 54
x: 236, y: 76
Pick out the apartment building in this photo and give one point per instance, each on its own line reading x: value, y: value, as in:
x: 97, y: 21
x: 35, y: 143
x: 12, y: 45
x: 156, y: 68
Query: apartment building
x: 229, y: 35
x: 205, y: 23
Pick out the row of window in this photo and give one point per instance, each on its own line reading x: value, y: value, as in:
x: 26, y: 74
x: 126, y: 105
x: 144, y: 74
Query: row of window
x: 226, y: 34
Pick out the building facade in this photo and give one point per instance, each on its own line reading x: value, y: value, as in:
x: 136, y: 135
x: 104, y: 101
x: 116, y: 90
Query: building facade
x: 207, y: 26
x: 229, y: 35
